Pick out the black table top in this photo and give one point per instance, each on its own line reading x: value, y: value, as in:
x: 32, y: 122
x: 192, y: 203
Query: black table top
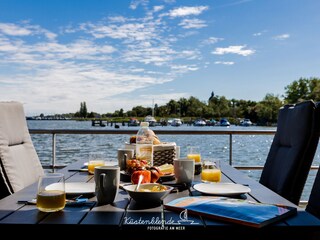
x: 128, y: 218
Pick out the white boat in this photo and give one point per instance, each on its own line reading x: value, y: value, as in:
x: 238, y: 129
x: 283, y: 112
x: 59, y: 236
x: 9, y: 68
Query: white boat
x: 133, y: 122
x: 245, y: 122
x: 151, y: 120
x: 199, y: 122
x: 176, y: 122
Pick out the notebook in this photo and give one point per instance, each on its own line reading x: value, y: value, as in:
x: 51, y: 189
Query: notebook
x: 238, y: 211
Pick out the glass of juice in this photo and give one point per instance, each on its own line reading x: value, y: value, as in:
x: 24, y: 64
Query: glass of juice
x: 193, y: 152
x: 51, y: 195
x: 211, y: 171
x: 95, y: 159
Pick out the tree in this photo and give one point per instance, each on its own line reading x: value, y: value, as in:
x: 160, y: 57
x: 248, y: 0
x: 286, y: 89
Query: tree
x: 83, y: 110
x: 303, y: 89
x: 267, y: 109
x: 220, y: 106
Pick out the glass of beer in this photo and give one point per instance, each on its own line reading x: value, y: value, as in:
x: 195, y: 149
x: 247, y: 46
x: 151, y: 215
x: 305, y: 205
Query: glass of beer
x: 211, y: 171
x: 51, y: 194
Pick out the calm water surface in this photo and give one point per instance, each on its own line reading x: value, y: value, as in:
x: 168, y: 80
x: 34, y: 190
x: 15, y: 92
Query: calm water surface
x: 247, y: 149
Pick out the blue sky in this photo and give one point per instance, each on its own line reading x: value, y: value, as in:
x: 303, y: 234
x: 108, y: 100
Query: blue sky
x: 55, y: 54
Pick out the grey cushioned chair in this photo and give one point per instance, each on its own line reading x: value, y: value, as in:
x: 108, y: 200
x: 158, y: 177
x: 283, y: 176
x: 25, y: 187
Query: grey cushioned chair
x: 292, y: 151
x: 19, y: 162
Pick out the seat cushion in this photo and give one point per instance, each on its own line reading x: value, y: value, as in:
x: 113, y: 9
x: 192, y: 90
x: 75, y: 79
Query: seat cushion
x: 19, y: 162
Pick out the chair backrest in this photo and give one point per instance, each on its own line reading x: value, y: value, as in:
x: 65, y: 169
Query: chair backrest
x: 313, y: 205
x: 19, y: 162
x: 292, y: 150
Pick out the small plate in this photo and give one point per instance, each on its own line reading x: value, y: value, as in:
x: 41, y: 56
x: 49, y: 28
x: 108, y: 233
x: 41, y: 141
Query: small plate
x: 76, y: 188
x: 223, y: 189
x: 167, y: 177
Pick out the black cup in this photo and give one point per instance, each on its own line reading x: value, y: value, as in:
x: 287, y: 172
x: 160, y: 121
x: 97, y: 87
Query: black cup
x: 197, y: 168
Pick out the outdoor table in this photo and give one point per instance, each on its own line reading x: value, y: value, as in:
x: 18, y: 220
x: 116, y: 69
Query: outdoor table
x: 127, y: 218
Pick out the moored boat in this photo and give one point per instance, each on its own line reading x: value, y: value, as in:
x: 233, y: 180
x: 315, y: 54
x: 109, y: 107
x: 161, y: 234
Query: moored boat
x: 151, y: 120
x: 176, y: 122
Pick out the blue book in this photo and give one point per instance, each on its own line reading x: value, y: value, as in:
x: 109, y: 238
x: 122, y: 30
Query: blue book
x: 239, y: 211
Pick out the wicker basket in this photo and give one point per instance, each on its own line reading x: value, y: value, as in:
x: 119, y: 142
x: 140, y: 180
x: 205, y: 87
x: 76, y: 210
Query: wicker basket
x: 162, y: 153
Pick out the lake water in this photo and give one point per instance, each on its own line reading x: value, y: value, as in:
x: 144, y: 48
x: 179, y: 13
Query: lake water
x: 247, y: 149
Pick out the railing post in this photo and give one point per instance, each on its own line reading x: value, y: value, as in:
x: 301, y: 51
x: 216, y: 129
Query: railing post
x: 230, y: 149
x: 53, y: 151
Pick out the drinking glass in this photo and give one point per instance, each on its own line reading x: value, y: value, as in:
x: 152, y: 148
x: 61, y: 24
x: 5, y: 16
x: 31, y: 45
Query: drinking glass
x: 193, y: 152
x: 95, y: 159
x: 51, y: 195
x: 211, y: 171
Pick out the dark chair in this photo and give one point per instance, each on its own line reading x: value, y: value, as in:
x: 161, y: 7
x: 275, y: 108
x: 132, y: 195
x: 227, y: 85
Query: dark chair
x: 292, y: 151
x: 313, y: 205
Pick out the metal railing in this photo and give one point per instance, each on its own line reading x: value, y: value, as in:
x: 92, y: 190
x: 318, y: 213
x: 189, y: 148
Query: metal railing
x: 230, y: 133
x: 54, y: 132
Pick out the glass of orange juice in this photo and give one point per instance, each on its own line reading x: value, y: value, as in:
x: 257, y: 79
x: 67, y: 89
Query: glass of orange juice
x: 211, y: 171
x: 95, y: 159
x: 193, y: 152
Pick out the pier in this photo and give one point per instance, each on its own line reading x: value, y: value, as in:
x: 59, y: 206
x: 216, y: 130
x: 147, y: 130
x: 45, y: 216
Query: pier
x: 95, y: 122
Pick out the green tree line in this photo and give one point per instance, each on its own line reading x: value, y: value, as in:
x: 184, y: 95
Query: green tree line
x: 263, y: 112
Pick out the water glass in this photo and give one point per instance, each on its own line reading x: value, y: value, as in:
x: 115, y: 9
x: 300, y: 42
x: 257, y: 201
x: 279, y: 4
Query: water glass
x: 211, y: 171
x: 51, y: 195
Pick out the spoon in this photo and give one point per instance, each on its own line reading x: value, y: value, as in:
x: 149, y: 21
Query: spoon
x: 139, y: 182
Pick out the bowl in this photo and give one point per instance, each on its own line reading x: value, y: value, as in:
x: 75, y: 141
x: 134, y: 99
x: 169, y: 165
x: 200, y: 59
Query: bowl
x: 145, y: 195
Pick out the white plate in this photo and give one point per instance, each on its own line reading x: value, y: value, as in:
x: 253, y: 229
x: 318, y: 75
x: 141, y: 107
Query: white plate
x: 107, y: 163
x: 76, y: 188
x: 224, y: 189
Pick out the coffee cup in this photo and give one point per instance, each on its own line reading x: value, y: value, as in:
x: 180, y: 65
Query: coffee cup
x: 107, y: 180
x: 123, y: 155
x: 184, y: 170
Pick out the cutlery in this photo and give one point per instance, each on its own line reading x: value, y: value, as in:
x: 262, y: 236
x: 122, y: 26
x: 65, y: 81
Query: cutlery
x: 79, y: 170
x: 139, y: 182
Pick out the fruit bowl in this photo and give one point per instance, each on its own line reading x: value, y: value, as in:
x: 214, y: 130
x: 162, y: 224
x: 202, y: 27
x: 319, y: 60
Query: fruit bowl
x: 148, y: 193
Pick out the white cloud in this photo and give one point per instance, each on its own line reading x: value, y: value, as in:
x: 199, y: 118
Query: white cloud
x: 134, y: 31
x: 281, y: 37
x: 184, y: 68
x: 11, y: 29
x: 240, y: 50
x: 257, y: 34
x: 158, y: 8
x: 192, y: 23
x: 212, y: 40
x: 120, y: 19
x: 14, y: 30
x: 186, y: 11
x: 224, y: 63
x: 96, y: 62
x: 135, y: 3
